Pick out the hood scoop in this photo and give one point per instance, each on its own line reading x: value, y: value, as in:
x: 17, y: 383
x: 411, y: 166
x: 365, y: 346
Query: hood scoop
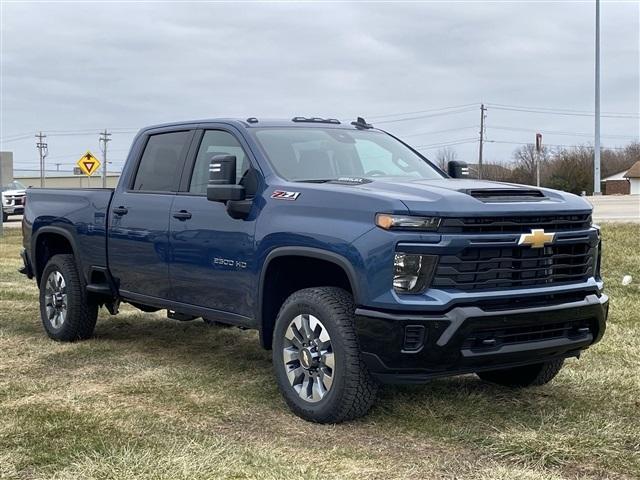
x: 500, y: 195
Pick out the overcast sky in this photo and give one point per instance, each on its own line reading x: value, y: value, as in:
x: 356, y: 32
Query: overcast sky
x: 70, y: 68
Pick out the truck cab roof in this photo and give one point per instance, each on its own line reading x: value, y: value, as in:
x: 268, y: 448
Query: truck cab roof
x: 254, y: 122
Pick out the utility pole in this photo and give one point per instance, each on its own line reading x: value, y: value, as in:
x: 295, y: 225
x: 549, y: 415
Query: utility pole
x: 104, y: 139
x: 482, y: 117
x: 43, y: 150
x: 596, y: 143
x: 538, y: 155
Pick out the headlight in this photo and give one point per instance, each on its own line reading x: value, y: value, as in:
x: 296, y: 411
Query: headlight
x: 412, y: 273
x: 406, y: 222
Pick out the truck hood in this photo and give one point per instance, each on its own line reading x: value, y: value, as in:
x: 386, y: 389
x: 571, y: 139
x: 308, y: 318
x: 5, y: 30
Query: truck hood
x: 463, y: 197
x: 11, y: 193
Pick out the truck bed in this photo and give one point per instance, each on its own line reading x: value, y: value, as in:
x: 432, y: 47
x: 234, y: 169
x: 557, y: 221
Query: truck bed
x: 78, y: 214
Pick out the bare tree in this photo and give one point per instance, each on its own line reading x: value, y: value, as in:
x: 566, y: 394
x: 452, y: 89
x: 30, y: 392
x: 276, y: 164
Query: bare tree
x: 444, y: 156
x: 525, y: 164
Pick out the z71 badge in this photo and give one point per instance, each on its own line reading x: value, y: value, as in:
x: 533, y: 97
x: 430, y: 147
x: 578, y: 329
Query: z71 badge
x: 282, y: 195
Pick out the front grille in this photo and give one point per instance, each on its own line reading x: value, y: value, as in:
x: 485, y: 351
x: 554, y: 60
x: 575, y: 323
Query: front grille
x: 12, y: 200
x: 521, y: 224
x: 481, y: 268
x: 491, y: 338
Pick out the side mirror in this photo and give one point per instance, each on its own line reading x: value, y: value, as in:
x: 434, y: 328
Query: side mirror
x: 222, y: 185
x: 457, y: 169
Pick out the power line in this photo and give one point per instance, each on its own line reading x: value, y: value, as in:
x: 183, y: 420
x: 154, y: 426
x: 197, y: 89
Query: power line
x: 557, y: 132
x: 572, y: 114
x: 446, y: 144
x: 418, y: 112
x: 419, y: 117
x: 553, y: 145
x: 560, y: 110
x: 435, y: 132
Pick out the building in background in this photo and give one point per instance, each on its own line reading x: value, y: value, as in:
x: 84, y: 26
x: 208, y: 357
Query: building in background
x: 6, y: 167
x: 623, y: 183
x: 633, y: 175
x: 59, y: 179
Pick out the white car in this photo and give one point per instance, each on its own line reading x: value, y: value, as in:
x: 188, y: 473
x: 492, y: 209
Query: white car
x: 13, y: 196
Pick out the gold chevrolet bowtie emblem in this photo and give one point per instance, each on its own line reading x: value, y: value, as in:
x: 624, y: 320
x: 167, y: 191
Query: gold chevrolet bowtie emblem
x: 536, y: 239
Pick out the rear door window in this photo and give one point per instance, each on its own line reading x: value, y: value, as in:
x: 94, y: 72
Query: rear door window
x: 162, y: 161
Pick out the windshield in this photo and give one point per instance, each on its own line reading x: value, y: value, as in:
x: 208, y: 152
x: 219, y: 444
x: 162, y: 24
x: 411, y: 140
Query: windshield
x: 322, y: 154
x: 15, y: 185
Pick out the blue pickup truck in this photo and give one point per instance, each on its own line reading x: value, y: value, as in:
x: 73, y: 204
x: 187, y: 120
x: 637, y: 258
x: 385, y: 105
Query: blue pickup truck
x: 358, y: 260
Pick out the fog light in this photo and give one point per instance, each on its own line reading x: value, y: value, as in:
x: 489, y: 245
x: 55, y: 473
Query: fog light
x: 412, y: 273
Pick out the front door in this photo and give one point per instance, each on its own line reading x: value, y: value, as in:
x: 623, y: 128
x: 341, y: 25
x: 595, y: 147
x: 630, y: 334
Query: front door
x: 212, y: 254
x: 138, y: 245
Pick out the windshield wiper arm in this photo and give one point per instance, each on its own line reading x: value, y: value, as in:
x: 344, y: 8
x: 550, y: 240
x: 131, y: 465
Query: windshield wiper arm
x: 315, y: 180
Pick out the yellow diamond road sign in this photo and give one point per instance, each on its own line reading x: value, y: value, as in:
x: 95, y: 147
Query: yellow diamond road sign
x: 88, y: 163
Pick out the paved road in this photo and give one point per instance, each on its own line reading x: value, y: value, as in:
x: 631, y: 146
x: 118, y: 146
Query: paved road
x: 616, y: 208
x: 611, y: 208
x: 15, y: 221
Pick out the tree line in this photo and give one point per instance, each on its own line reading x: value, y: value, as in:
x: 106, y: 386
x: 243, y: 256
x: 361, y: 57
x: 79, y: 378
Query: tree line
x: 568, y: 169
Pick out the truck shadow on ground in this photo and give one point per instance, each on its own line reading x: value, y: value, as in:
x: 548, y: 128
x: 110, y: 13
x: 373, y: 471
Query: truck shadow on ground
x: 224, y: 359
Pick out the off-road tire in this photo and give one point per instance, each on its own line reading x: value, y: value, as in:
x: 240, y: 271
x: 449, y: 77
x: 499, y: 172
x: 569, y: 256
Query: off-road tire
x: 525, y: 376
x: 353, y: 391
x: 81, y: 313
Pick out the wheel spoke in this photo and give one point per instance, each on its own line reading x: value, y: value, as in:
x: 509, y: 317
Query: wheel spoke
x: 290, y: 355
x: 318, y: 389
x: 296, y: 376
x: 308, y: 332
x: 328, y: 360
x: 326, y: 377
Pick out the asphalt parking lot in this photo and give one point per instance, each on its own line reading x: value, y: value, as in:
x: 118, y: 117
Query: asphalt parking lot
x: 613, y: 208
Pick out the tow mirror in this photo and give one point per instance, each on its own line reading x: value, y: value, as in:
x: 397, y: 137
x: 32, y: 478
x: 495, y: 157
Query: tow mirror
x: 457, y: 169
x: 222, y: 185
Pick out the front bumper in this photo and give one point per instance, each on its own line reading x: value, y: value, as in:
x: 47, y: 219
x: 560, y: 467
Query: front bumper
x: 405, y: 347
x: 13, y: 210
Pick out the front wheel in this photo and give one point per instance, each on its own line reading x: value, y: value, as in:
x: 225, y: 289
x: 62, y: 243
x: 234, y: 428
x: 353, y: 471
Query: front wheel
x: 67, y: 314
x: 525, y: 376
x: 317, y: 359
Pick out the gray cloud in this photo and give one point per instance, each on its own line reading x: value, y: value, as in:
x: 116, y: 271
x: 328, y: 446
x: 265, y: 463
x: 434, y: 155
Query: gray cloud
x: 78, y: 66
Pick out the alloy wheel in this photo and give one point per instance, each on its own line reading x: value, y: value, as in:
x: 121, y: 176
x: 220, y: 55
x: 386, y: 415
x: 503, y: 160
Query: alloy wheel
x: 55, y: 296
x: 308, y: 357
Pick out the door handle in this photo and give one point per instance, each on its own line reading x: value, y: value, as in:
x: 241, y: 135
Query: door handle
x: 182, y: 215
x: 120, y: 210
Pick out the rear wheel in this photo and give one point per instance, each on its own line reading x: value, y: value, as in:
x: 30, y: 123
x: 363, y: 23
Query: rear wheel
x: 5, y: 217
x: 317, y: 359
x: 67, y: 313
x: 525, y: 376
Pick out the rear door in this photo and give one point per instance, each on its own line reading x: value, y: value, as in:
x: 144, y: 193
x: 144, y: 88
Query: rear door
x: 213, y: 264
x: 138, y: 246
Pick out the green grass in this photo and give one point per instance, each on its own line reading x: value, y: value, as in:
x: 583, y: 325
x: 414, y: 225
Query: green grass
x: 154, y: 398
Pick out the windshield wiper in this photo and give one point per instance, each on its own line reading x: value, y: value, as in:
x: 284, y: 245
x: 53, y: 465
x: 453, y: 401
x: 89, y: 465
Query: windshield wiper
x: 315, y: 180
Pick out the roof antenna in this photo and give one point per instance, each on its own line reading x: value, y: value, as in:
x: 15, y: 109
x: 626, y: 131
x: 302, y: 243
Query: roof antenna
x: 361, y: 123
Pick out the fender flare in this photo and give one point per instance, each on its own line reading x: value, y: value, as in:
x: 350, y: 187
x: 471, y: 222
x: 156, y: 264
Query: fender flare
x: 58, y: 231
x: 309, y: 252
